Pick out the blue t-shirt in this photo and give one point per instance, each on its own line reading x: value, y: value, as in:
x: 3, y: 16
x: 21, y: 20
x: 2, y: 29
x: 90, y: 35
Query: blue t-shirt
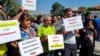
x: 26, y: 35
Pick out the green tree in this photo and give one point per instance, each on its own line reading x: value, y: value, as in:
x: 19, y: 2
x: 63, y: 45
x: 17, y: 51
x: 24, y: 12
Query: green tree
x: 10, y: 6
x: 57, y: 9
x: 85, y: 9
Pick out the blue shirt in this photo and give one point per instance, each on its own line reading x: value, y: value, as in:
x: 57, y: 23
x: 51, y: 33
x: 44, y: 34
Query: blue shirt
x: 26, y: 35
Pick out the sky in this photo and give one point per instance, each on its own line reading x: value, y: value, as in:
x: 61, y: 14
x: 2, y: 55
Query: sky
x: 44, y: 6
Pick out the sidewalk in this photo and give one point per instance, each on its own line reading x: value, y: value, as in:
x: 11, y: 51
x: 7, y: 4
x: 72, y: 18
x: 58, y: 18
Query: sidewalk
x: 97, y: 48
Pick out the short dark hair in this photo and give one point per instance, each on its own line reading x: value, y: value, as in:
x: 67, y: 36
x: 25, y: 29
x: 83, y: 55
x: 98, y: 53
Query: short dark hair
x: 22, y: 18
x: 67, y: 10
x: 39, y: 17
x: 1, y: 4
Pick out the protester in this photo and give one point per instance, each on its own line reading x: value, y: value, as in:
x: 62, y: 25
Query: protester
x: 89, y: 34
x: 26, y: 28
x: 95, y: 16
x: 90, y: 17
x: 54, y: 21
x: 39, y: 22
x: 35, y: 19
x: 70, y: 48
x: 59, y: 17
x: 43, y: 32
x: 32, y: 24
x: 3, y: 47
x: 27, y: 32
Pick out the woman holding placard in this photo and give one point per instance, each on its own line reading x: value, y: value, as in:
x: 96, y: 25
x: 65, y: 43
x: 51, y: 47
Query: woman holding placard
x: 27, y: 32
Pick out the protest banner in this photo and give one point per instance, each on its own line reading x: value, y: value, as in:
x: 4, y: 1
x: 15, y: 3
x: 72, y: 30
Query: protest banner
x: 28, y: 4
x: 9, y: 31
x: 30, y: 47
x: 55, y: 42
x: 73, y: 23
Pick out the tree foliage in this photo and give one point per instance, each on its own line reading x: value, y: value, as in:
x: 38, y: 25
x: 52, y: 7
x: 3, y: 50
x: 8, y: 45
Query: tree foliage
x: 10, y: 6
x: 57, y: 9
x: 85, y: 9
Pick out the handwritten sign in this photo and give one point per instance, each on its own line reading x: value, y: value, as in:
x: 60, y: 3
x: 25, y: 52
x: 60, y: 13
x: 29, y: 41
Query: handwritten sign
x: 55, y: 42
x: 9, y: 31
x: 73, y: 23
x: 30, y: 47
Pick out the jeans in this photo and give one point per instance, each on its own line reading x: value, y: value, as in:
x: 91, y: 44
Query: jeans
x: 70, y: 50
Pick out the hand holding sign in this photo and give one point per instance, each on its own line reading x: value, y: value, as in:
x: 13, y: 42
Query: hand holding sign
x: 28, y: 4
x: 65, y: 32
x: 44, y: 38
x: 9, y: 31
x: 30, y: 47
x: 55, y: 42
x: 73, y: 23
x: 22, y: 9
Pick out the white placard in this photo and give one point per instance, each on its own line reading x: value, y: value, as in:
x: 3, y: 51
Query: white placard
x: 9, y: 31
x: 55, y: 42
x: 30, y: 47
x: 28, y: 4
x: 73, y: 23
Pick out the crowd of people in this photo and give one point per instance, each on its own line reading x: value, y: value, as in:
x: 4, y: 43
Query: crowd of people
x: 44, y: 25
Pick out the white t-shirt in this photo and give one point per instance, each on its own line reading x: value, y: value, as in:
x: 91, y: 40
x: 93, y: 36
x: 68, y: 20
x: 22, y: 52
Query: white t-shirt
x: 69, y: 38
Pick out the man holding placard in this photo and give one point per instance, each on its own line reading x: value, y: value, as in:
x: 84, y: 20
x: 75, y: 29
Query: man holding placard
x: 43, y: 32
x: 70, y: 48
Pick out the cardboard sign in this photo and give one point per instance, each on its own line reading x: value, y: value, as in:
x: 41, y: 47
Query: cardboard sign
x: 28, y: 4
x: 55, y: 42
x: 9, y: 31
x: 73, y: 23
x: 30, y: 47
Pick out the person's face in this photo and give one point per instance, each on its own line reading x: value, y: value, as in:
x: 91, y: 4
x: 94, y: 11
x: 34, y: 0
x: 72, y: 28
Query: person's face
x: 47, y: 21
x: 59, y: 17
x: 54, y: 19
x: 90, y: 23
x: 40, y: 20
x: 26, y: 22
x: 76, y: 14
x: 90, y: 17
x: 68, y: 14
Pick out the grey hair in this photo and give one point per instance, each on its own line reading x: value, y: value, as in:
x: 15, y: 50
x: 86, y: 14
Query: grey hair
x: 46, y: 17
